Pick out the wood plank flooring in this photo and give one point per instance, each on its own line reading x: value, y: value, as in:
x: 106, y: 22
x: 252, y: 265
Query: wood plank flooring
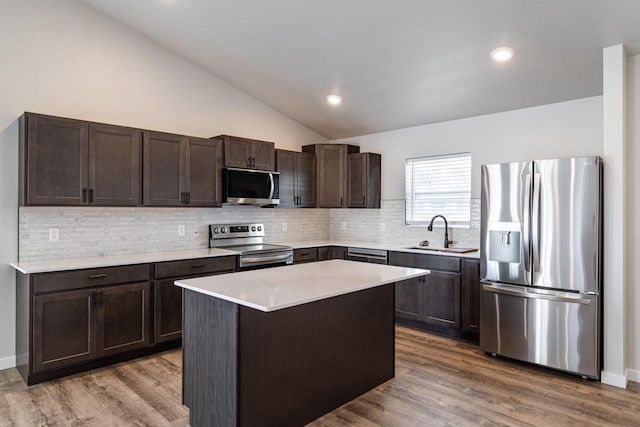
x: 439, y: 382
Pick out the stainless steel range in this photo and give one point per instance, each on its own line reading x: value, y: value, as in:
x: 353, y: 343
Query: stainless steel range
x: 247, y: 239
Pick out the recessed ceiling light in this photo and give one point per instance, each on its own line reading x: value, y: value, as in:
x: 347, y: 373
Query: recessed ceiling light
x: 502, y: 54
x: 334, y: 99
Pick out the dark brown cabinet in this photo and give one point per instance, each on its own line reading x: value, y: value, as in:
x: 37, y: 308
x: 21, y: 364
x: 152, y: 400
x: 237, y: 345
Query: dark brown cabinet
x: 332, y: 252
x: 72, y: 162
x: 471, y: 296
x: 364, y: 180
x: 438, y: 303
x: 305, y: 255
x: 248, y: 153
x: 297, y: 171
x: 168, y: 297
x: 331, y: 173
x: 78, y: 317
x: 181, y: 170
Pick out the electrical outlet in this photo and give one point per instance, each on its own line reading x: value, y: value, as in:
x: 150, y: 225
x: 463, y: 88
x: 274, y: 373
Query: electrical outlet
x: 284, y: 226
x: 343, y: 225
x: 54, y: 234
x: 181, y: 230
x: 382, y: 226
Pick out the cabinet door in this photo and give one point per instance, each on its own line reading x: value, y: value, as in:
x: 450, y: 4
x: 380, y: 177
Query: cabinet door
x: 324, y: 253
x: 237, y: 152
x: 286, y: 165
x: 357, y: 180
x: 167, y: 311
x: 64, y: 329
x: 164, y: 169
x: 56, y: 161
x: 263, y: 155
x: 204, y: 172
x: 442, y: 299
x: 471, y: 295
x: 305, y: 180
x: 409, y: 298
x: 114, y: 166
x: 123, y: 318
x: 338, y: 252
x: 331, y: 176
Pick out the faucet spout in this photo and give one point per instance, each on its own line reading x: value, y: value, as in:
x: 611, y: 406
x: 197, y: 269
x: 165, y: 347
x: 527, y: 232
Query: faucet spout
x: 446, y: 229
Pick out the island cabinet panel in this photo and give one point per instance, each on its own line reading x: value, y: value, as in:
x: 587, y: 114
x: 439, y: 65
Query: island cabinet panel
x: 437, y: 303
x: 246, y: 367
x: 168, y: 297
x: 248, y: 153
x: 297, y: 171
x: 72, y: 162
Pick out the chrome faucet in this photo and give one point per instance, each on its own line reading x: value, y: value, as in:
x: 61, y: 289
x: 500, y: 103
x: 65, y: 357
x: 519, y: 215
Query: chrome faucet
x: 447, y: 242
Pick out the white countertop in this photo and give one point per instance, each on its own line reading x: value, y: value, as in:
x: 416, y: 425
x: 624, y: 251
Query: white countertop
x: 110, y: 261
x: 281, y: 287
x: 31, y: 267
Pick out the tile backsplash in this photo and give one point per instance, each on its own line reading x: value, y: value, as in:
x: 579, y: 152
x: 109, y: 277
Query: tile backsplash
x: 94, y: 231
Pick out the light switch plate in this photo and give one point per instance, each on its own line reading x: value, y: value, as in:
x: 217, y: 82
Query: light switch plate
x: 382, y: 226
x: 181, y: 230
x: 343, y: 225
x: 54, y: 234
x: 284, y: 226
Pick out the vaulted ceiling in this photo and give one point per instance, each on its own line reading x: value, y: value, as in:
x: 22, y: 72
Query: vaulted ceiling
x: 396, y: 63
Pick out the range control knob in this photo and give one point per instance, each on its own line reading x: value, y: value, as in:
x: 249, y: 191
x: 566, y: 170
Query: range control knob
x: 215, y: 230
x: 223, y: 230
x: 253, y: 228
x: 259, y: 228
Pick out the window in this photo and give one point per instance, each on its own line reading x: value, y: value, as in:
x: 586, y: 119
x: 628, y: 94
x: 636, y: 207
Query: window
x: 438, y: 185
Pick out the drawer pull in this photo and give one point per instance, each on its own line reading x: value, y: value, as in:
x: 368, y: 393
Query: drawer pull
x: 98, y: 276
x: 197, y: 266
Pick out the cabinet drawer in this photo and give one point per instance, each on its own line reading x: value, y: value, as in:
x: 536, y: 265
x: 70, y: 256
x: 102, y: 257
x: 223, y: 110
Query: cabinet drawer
x: 431, y: 262
x: 78, y: 279
x: 198, y: 266
x: 305, y: 255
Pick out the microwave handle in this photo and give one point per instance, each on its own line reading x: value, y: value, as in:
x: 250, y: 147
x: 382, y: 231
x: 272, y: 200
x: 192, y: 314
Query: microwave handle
x: 273, y: 186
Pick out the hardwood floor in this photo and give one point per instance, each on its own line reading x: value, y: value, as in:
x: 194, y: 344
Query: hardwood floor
x: 439, y: 382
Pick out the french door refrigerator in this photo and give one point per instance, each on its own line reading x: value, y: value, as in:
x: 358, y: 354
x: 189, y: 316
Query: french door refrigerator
x: 540, y: 262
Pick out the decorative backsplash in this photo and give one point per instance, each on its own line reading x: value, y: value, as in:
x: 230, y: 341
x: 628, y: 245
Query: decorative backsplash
x: 367, y: 225
x: 93, y: 231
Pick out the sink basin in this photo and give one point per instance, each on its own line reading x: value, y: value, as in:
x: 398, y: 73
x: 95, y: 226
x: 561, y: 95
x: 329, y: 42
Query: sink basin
x: 449, y: 250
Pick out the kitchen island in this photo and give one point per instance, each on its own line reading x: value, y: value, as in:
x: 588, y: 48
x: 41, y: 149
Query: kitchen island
x: 286, y: 345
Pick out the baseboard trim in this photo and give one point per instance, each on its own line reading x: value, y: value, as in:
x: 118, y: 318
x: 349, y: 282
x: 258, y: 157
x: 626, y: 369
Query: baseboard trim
x: 615, y: 380
x: 7, y: 362
x: 633, y: 375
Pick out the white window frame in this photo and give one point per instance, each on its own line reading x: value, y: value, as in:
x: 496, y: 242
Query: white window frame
x: 455, y: 205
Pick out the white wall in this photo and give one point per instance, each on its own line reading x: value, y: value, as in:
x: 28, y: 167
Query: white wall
x: 63, y: 58
x: 564, y: 129
x: 633, y: 219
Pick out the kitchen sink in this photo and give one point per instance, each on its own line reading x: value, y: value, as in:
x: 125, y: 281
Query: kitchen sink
x: 449, y: 250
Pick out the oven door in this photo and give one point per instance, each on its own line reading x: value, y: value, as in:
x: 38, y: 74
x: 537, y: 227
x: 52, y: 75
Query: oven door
x: 256, y: 261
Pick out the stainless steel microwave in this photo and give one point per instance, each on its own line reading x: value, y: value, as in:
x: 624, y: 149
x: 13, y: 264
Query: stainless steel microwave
x: 250, y: 187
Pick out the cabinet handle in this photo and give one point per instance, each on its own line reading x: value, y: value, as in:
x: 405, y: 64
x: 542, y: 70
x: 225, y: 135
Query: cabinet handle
x: 299, y: 202
x: 182, y: 198
x: 91, y: 195
x: 94, y: 298
x: 340, y: 201
x: 98, y: 276
x: 188, y: 197
x: 197, y: 266
x: 84, y: 195
x: 249, y: 161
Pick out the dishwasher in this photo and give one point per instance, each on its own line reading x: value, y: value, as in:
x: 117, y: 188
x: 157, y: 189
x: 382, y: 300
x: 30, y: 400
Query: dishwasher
x: 373, y: 256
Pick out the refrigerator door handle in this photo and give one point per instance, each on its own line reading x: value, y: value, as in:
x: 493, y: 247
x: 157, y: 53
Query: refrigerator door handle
x: 527, y: 223
x: 535, y: 222
x: 497, y: 289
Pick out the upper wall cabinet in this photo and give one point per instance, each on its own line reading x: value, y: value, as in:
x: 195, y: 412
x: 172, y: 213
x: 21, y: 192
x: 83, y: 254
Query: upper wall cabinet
x: 297, y: 172
x: 331, y: 173
x: 363, y: 184
x: 248, y: 153
x: 181, y: 171
x: 72, y: 162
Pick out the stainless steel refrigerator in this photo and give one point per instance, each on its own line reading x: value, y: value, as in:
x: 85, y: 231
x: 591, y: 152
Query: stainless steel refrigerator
x: 540, y: 262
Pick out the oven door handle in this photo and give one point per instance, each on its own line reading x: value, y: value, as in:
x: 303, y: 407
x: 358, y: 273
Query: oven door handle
x: 266, y: 258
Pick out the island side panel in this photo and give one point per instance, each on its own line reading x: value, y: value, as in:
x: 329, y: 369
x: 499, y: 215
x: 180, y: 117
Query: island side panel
x: 209, y: 380
x: 300, y: 363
